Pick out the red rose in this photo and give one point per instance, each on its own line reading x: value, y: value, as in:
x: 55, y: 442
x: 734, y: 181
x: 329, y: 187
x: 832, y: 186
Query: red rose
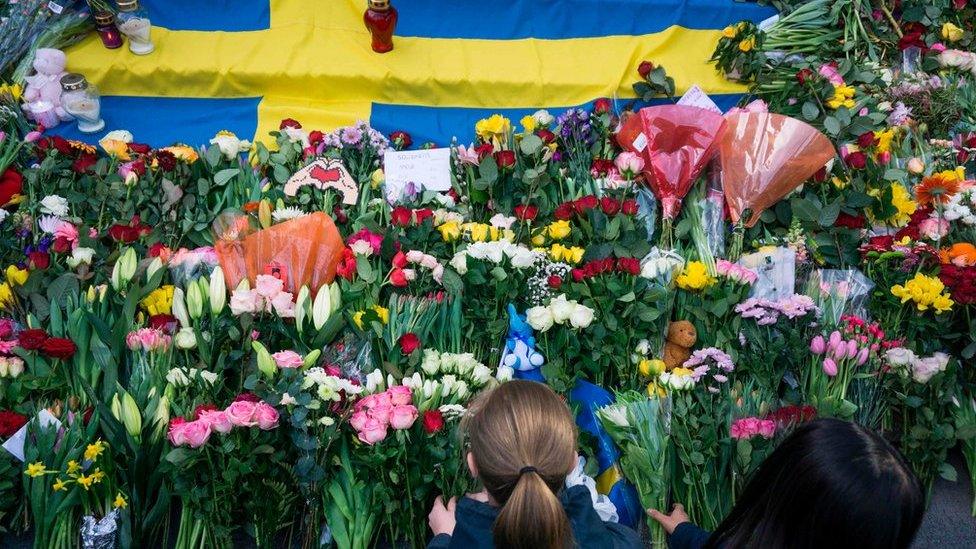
x: 850, y: 221
x: 805, y: 75
x: 164, y: 322
x: 401, y: 139
x: 247, y: 397
x: 58, y: 347
x: 546, y: 136
x: 526, y: 212
x: 400, y: 260
x: 959, y: 4
x: 867, y: 140
x: 11, y: 422
x: 555, y: 282
x: 84, y: 163
x: 565, y: 211
x: 609, y: 205
x: 401, y: 216
x: 315, y: 137
x: 630, y: 207
x: 409, y: 342
x: 600, y: 167
x: 398, y: 278
x: 39, y: 260
x: 139, y: 148
x: 644, y: 69
x: 122, y: 233
x: 630, y: 265
x: 156, y: 249
x: 505, y: 159
x: 289, y: 123
x: 11, y: 183
x: 423, y: 214
x: 484, y: 150
x: 586, y: 203
x: 31, y: 339
x: 60, y: 245
x: 433, y: 421
x: 340, y: 215
x: 347, y: 265
x: 821, y: 175
x: 578, y: 274
x: 602, y: 106
x: 857, y: 160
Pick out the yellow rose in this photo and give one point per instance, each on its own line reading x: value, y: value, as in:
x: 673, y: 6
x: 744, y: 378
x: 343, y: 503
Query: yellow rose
x: 574, y: 255
x: 478, y: 231
x: 747, y: 45
x: 729, y: 32
x: 16, y: 276
x: 559, y: 230
x: 450, y: 231
x: 528, y: 123
x: 557, y: 252
x: 951, y: 32
x: 383, y: 313
x: 539, y: 239
x: 694, y: 277
x: 494, y: 128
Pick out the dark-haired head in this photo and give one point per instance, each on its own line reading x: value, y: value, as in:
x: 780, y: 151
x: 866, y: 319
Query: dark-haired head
x: 831, y: 483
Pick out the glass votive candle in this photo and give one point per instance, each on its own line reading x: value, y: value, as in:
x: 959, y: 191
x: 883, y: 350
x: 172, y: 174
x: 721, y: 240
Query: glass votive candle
x: 134, y: 24
x: 80, y: 99
x: 107, y: 31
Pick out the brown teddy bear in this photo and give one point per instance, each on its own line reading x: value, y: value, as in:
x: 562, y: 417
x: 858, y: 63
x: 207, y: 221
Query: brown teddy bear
x: 681, y: 338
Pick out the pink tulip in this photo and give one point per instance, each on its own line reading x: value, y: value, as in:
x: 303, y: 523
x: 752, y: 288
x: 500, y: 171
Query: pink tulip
x: 32, y: 137
x: 266, y: 416
x: 830, y: 367
x: 835, y: 339
x: 851, y: 348
x: 403, y: 417
x: 862, y: 356
x: 241, y: 413
x: 197, y: 433
x: 818, y: 345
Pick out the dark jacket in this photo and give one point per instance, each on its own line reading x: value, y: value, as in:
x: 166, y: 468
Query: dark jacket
x: 475, y: 519
x: 688, y: 536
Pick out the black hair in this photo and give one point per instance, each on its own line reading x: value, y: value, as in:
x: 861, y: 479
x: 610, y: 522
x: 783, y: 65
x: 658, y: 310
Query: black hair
x: 830, y: 483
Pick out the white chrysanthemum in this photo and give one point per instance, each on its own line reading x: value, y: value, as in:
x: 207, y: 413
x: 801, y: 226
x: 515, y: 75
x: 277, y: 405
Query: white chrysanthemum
x: 284, y: 214
x: 54, y: 205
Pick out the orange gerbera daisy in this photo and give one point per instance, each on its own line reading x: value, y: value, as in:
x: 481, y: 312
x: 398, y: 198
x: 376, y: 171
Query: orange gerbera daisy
x: 937, y: 188
x: 961, y: 254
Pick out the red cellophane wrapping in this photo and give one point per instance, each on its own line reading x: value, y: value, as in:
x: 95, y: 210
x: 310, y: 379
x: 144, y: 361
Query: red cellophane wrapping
x: 309, y: 248
x: 676, y: 143
x: 764, y: 157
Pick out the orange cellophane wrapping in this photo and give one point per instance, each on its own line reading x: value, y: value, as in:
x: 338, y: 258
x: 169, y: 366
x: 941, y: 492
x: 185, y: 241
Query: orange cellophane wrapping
x: 308, y: 247
x: 764, y: 157
x: 678, y: 142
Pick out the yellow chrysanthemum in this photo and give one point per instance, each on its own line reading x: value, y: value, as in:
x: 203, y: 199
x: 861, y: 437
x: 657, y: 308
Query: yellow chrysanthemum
x: 694, y: 277
x: 843, y: 97
x: 926, y: 291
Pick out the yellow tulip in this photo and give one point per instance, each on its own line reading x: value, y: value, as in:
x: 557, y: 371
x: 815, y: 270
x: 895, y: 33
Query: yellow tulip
x: 729, y: 32
x: 450, y: 231
x: 16, y: 276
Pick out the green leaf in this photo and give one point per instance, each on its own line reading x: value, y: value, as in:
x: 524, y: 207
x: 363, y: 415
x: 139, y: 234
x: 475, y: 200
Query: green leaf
x: 365, y: 270
x: 948, y: 472
x: 530, y: 144
x: 828, y: 215
x: 61, y: 288
x: 223, y: 176
x: 811, y: 111
x: 281, y: 173
x: 832, y: 126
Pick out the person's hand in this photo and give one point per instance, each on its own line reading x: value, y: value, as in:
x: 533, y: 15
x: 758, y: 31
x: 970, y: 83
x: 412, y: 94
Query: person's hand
x: 441, y: 517
x: 669, y: 522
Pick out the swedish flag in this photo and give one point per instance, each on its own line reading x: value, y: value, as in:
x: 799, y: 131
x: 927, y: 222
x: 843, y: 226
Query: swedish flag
x: 243, y: 65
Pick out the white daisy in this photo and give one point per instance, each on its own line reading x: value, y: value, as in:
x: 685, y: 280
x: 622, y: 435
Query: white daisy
x: 284, y: 214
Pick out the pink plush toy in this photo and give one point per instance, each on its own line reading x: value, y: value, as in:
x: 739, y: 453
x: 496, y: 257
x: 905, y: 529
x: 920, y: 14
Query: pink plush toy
x: 42, y: 96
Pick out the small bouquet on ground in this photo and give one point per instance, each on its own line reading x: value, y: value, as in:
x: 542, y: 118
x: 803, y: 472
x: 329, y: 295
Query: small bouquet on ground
x: 839, y: 292
x: 754, y: 441
x: 638, y: 424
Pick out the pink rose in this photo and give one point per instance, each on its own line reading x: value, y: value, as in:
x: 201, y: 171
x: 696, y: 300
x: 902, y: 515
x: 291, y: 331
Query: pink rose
x: 382, y: 399
x: 767, y: 428
x: 403, y: 417
x: 288, y: 359
x: 176, y: 434
x: 365, y: 403
x: 400, y: 395
x: 266, y: 416
x: 218, y: 421
x: 241, y: 413
x: 358, y: 420
x: 197, y: 433
x: 381, y: 413
x: 372, y: 432
x: 268, y: 286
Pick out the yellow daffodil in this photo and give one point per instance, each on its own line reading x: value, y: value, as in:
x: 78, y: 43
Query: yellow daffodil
x: 450, y: 231
x: 73, y: 467
x: 6, y: 295
x: 36, y: 469
x: 558, y: 230
x: 747, y: 45
x: 383, y: 313
x: 843, y: 97
x: 94, y: 450
x: 529, y: 123
x: 377, y: 178
x: 16, y: 276
x: 694, y: 277
x: 494, y: 130
x: 159, y: 301
x: 86, y: 481
x: 119, y: 502
x: 60, y: 484
x: 926, y: 291
x: 951, y: 32
x: 357, y: 318
x: 13, y: 90
x: 729, y: 32
x: 98, y: 475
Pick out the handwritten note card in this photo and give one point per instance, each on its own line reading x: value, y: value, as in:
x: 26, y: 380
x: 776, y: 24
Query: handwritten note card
x: 696, y: 97
x: 428, y: 169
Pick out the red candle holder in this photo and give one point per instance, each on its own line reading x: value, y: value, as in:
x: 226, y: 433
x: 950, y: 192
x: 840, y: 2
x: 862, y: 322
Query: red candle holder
x: 107, y: 31
x: 381, y: 19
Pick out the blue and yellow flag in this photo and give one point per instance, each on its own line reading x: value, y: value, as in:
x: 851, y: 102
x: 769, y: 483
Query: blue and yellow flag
x: 243, y: 65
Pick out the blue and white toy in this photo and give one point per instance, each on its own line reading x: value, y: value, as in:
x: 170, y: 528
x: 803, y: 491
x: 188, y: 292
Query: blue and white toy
x: 520, y: 354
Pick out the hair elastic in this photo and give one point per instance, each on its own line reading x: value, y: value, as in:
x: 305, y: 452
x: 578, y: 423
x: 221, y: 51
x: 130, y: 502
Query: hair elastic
x: 527, y: 469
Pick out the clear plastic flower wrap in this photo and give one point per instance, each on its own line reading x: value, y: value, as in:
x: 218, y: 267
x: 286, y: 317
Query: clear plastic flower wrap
x: 647, y: 210
x: 839, y: 292
x: 776, y: 268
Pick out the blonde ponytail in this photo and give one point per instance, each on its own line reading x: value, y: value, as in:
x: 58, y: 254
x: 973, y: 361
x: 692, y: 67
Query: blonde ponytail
x: 523, y: 441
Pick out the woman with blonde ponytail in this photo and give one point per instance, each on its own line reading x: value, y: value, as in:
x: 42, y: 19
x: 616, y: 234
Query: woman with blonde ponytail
x: 522, y: 446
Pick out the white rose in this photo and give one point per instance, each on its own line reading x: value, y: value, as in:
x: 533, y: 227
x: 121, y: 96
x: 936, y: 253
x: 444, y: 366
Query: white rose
x: 501, y: 221
x: 542, y: 117
x: 900, y: 356
x: 504, y: 373
x: 80, y: 256
x: 643, y: 347
x: 361, y: 247
x: 523, y: 258
x: 460, y: 263
x: 561, y: 309
x: 54, y: 205
x: 15, y: 367
x: 582, y: 316
x: 124, y: 136
x: 296, y: 135
x: 495, y: 253
x: 481, y: 374
x: 540, y: 318
x: 924, y: 369
x: 452, y: 411
x: 229, y: 144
